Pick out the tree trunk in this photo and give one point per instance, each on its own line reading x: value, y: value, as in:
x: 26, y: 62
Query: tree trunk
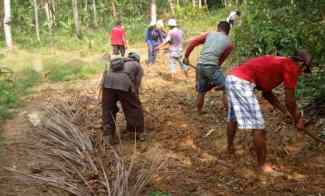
x: 153, y: 11
x: 86, y: 6
x: 36, y: 20
x: 76, y: 18
x: 49, y: 16
x: 172, y: 6
x: 205, y: 3
x: 114, y: 13
x: 53, y: 7
x: 95, y: 13
x: 193, y: 3
x: 200, y: 3
x: 6, y: 23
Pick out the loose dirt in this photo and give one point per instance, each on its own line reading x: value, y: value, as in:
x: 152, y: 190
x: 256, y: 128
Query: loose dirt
x: 193, y: 144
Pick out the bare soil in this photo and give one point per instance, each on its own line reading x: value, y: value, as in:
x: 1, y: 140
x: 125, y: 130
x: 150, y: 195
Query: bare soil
x: 193, y: 144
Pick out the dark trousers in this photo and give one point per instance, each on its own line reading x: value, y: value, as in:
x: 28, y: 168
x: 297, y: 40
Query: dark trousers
x: 131, y: 107
x: 118, y: 49
x: 152, y: 53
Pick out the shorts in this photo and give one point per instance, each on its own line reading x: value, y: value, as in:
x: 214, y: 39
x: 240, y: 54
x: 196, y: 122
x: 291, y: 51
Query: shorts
x: 119, y: 50
x: 243, y: 106
x: 175, y: 57
x: 209, y: 76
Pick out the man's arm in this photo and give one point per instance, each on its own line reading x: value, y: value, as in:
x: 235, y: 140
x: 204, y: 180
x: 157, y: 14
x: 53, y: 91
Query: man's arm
x: 226, y: 53
x: 195, y: 42
x: 292, y: 107
x: 274, y: 101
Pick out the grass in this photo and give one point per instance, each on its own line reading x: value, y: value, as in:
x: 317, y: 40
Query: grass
x: 159, y: 194
x: 33, y: 68
x: 12, y: 91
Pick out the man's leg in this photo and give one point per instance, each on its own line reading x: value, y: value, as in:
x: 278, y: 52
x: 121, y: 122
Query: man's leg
x: 260, y: 149
x: 109, y: 110
x: 133, y: 111
x: 154, y: 54
x: 200, y: 102
x: 231, y: 133
x: 150, y: 50
x: 182, y: 65
x: 122, y: 50
x: 231, y: 128
x: 172, y: 66
x: 115, y: 49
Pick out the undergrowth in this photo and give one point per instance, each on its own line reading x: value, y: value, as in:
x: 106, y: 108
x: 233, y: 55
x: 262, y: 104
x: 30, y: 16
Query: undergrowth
x: 11, y: 92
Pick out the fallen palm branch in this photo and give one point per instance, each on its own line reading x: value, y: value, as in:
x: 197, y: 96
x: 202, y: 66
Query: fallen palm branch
x: 81, y: 167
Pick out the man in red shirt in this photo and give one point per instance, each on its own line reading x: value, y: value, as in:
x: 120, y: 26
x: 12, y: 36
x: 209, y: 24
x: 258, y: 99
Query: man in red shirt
x: 118, y: 39
x: 263, y: 73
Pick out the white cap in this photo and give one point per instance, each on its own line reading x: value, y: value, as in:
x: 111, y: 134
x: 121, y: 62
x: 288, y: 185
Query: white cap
x: 172, y: 23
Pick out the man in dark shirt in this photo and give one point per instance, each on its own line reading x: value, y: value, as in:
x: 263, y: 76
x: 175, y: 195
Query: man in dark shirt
x: 122, y: 83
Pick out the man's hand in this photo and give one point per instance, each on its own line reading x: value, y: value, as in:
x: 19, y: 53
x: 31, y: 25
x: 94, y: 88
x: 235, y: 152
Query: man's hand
x: 186, y: 61
x: 157, y: 48
x: 300, y: 124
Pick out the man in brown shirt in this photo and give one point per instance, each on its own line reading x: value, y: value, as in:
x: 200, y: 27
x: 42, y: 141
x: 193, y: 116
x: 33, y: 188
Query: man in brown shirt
x: 122, y: 83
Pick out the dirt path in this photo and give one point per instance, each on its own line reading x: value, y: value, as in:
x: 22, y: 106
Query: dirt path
x: 193, y: 144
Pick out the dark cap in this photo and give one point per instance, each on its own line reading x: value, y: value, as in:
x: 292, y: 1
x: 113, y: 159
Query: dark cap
x: 134, y: 56
x: 304, y: 56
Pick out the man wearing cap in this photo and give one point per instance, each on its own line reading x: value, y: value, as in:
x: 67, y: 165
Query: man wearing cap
x: 216, y: 48
x: 233, y: 17
x: 175, y: 41
x: 122, y: 83
x: 263, y: 73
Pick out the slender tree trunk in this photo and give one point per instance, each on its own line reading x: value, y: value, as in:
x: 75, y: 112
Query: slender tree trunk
x: 153, y: 11
x: 86, y: 6
x: 6, y: 23
x: 193, y: 3
x: 114, y: 13
x: 76, y: 18
x: 53, y: 6
x: 206, y: 3
x: 200, y: 3
x: 36, y: 20
x: 172, y: 6
x: 49, y: 16
x: 95, y: 13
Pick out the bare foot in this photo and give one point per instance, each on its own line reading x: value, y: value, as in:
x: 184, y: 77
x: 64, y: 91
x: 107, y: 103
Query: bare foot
x: 269, y: 170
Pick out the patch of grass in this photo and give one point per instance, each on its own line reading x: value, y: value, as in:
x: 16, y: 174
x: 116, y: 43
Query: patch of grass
x: 12, y: 91
x: 66, y: 72
x: 159, y: 194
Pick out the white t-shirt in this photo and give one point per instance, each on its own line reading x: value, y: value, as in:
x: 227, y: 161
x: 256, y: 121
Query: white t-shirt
x: 232, y: 16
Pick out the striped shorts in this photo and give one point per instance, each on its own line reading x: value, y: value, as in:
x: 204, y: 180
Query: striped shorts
x: 243, y: 106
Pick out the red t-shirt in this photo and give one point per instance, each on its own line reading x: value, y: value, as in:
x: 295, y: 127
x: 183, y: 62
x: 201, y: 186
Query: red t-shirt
x: 118, y: 36
x: 267, y: 72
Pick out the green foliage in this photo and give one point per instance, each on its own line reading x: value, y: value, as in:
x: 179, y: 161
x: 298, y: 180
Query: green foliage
x: 11, y: 91
x: 159, y: 194
x: 59, y: 71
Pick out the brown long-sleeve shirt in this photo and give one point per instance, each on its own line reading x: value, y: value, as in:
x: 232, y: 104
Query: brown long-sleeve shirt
x: 129, y: 79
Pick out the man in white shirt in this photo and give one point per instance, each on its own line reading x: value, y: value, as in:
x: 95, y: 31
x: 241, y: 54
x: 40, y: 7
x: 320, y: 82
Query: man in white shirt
x: 233, y: 17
